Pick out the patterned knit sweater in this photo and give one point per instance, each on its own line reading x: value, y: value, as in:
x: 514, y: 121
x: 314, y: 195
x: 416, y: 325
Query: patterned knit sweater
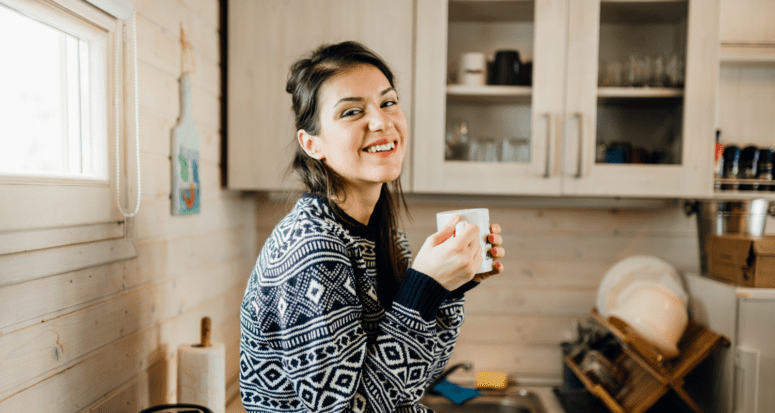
x: 315, y: 336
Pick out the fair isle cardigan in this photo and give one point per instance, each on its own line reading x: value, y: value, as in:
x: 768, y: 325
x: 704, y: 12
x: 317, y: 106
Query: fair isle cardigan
x: 315, y: 336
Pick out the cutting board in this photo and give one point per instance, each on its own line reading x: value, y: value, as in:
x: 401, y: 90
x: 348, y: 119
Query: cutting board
x: 186, y: 195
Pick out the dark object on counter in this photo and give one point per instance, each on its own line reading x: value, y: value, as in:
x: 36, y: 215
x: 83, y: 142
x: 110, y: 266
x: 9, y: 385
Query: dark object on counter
x: 579, y: 401
x: 603, y: 371
x: 526, y: 74
x: 731, y: 166
x: 507, y: 67
x: 749, y: 167
x: 765, y: 173
x: 177, y: 408
x: 569, y: 379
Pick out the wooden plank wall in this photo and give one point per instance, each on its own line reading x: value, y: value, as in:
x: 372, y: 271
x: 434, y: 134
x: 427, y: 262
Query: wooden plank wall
x: 104, y: 339
x: 556, y: 258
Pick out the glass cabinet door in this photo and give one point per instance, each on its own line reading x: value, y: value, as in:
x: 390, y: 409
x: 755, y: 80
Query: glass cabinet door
x: 631, y: 124
x: 497, y: 112
x: 576, y: 97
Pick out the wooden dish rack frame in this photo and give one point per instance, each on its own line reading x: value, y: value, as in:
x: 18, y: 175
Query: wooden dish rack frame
x: 650, y: 374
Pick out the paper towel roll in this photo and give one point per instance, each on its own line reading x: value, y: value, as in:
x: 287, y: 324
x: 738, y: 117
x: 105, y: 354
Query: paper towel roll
x: 202, y: 376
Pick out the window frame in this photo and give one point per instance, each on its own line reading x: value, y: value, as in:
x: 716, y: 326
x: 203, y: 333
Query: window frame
x: 42, y: 217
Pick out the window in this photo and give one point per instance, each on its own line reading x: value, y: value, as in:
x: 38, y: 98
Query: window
x: 58, y: 123
x: 46, y: 100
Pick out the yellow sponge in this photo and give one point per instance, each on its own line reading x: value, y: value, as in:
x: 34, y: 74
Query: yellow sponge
x: 491, y: 380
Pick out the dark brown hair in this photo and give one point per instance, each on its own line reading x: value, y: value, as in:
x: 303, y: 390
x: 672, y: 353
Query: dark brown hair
x: 306, y: 77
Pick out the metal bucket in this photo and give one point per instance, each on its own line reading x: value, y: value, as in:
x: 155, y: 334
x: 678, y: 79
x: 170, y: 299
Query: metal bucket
x: 718, y: 217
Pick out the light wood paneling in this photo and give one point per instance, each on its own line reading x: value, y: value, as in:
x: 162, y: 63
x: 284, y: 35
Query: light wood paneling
x: 555, y: 260
x: 105, y: 338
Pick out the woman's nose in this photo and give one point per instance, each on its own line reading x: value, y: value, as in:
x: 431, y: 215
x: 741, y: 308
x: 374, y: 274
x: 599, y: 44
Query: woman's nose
x: 379, y: 121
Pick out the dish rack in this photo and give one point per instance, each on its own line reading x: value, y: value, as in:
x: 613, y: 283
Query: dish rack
x: 650, y: 374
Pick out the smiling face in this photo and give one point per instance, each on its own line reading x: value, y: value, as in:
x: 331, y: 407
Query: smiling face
x: 363, y: 131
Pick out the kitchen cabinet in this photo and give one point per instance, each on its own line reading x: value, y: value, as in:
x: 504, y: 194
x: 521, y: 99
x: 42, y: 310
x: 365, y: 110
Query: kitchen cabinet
x: 264, y: 38
x: 572, y: 129
x: 739, y: 378
x: 746, y: 109
x: 747, y: 22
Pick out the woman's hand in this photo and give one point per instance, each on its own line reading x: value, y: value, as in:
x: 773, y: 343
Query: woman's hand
x: 454, y: 262
x: 496, y: 253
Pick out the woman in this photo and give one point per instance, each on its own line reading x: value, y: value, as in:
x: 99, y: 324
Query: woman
x: 334, y: 317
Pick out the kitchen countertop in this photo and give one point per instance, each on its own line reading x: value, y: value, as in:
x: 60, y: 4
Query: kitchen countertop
x: 549, y: 400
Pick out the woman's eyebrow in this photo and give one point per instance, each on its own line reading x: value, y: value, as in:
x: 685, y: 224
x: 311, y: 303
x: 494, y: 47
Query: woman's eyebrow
x: 359, y: 99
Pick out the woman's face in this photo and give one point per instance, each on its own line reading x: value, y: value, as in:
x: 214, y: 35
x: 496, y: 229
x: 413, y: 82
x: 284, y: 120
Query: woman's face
x: 363, y: 130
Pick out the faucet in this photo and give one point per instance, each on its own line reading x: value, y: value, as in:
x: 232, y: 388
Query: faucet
x: 466, y: 366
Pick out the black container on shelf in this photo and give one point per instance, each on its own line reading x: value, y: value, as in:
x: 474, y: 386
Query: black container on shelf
x: 765, y: 173
x: 526, y: 74
x: 749, y: 166
x: 731, y: 166
x: 507, y: 67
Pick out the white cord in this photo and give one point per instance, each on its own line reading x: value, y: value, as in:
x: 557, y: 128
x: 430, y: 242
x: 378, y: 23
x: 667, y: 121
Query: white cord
x: 137, y: 124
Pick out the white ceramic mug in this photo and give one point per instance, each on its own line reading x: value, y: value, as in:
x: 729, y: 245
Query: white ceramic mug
x: 473, y: 69
x: 481, y: 218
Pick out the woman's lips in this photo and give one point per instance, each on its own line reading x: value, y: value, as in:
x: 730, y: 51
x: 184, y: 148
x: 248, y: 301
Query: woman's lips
x: 383, y: 154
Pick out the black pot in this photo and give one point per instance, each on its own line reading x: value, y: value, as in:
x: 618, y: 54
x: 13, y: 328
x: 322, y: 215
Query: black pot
x: 507, y: 68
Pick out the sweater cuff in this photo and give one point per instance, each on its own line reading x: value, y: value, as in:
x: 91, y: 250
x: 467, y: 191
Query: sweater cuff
x: 460, y: 291
x: 422, y: 293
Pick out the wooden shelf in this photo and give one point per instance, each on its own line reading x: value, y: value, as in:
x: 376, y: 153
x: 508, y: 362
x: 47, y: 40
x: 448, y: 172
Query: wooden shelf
x: 747, y: 55
x: 639, y: 92
x: 650, y: 374
x: 489, y: 94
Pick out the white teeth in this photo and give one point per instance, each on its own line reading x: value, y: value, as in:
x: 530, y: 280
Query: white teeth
x: 382, y: 148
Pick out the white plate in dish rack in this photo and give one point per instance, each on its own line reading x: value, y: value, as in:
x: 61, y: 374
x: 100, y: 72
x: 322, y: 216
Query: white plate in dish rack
x: 632, y: 272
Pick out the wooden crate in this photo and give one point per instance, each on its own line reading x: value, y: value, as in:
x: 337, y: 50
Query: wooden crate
x: 650, y: 374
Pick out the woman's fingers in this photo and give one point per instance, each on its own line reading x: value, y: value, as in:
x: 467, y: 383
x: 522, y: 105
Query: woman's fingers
x: 495, y: 239
x: 497, y: 268
x: 495, y: 229
x: 497, y: 252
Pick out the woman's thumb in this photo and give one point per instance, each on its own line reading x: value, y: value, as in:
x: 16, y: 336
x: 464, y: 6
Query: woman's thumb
x: 446, y: 231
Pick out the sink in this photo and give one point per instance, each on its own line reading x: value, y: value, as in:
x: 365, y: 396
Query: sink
x: 515, y: 401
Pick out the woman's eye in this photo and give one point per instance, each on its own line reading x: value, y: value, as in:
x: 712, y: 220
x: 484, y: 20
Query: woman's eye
x: 389, y: 103
x: 351, y: 112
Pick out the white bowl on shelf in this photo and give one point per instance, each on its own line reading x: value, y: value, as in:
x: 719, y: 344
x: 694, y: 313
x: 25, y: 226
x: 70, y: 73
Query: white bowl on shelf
x: 656, y: 314
x: 632, y: 273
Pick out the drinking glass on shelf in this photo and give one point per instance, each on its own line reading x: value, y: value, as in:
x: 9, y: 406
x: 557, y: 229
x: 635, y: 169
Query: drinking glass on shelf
x: 674, y: 71
x: 483, y: 149
x: 630, y: 75
x: 515, y: 150
x: 644, y: 70
x: 658, y: 72
x: 610, y: 73
x: 456, y: 141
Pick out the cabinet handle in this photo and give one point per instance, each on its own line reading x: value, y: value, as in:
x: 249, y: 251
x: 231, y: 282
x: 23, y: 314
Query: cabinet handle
x: 550, y: 126
x: 580, y: 172
x: 747, y: 363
